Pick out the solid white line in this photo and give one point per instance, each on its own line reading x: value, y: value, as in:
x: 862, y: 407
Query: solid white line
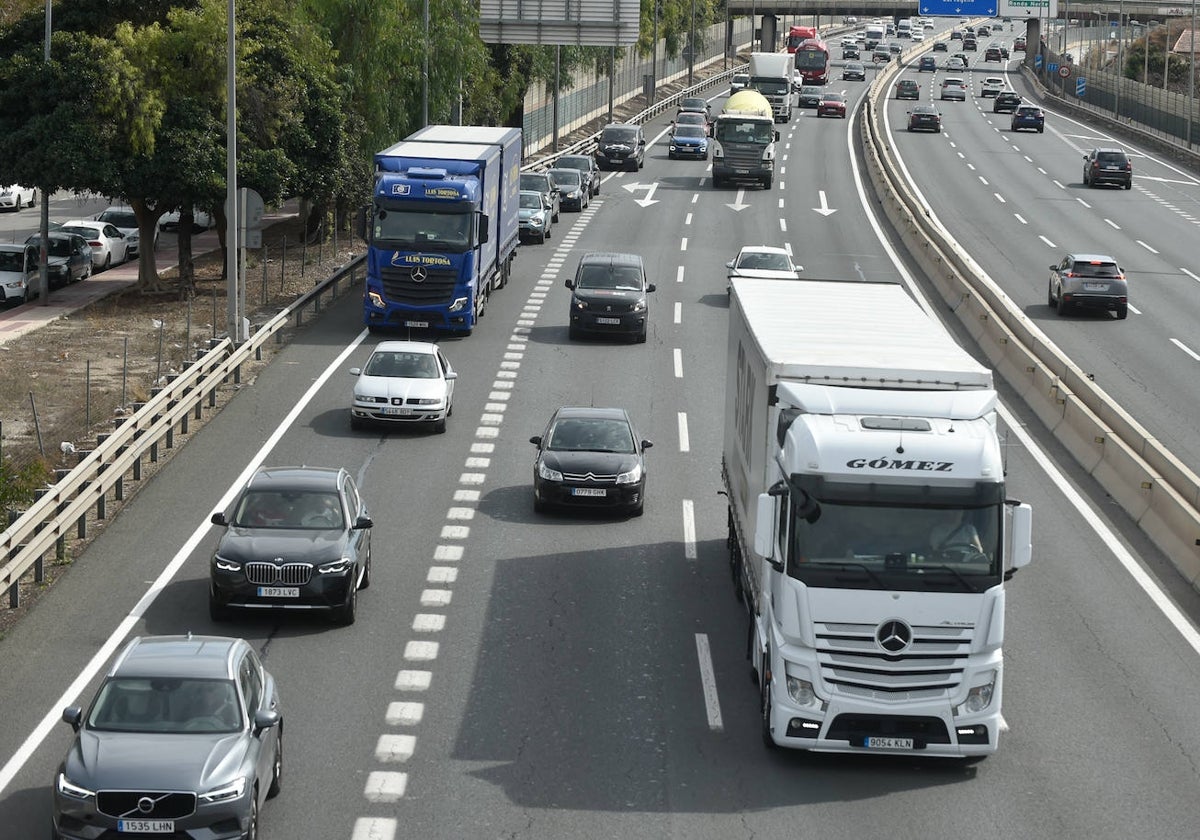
x: 689, y: 530
x: 1186, y: 349
x: 1047, y: 241
x: 708, y: 682
x: 678, y: 312
x: 1112, y: 224
x: 684, y: 445
x: 1144, y: 245
x: 678, y: 356
x: 89, y: 672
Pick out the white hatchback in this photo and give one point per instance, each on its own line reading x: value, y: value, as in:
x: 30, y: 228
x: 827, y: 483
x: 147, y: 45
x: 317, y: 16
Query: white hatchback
x: 763, y: 262
x: 404, y: 382
x: 109, y: 245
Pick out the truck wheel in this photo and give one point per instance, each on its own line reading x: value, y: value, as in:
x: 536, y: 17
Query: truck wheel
x: 767, y: 182
x: 768, y: 742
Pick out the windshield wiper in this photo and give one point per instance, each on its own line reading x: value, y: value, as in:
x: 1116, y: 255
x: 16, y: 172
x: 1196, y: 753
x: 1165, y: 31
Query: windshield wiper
x: 844, y: 565
x: 941, y: 567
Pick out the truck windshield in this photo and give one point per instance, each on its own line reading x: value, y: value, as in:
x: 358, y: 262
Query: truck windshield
x: 771, y: 87
x: 909, y: 548
x: 425, y: 231
x: 734, y: 131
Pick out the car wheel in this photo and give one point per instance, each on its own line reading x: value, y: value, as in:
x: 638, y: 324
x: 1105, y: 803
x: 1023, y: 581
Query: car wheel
x: 217, y: 611
x: 538, y: 505
x: 348, y: 612
x: 107, y: 262
x: 1129, y: 185
x: 1122, y: 312
x: 554, y: 218
x: 1062, y: 306
x: 1041, y: 130
x: 572, y: 332
x: 440, y: 426
x: 365, y: 583
x: 641, y: 337
x: 18, y: 208
x: 277, y: 767
x: 1050, y: 294
x: 638, y: 509
x: 252, y: 825
x: 356, y: 423
x: 542, y: 238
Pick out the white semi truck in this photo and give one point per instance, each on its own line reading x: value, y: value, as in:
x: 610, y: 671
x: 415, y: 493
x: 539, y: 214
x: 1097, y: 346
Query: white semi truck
x: 869, y: 531
x: 771, y: 75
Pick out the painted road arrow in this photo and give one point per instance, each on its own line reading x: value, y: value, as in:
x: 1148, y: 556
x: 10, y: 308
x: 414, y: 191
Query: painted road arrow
x: 737, y: 205
x: 824, y: 209
x: 650, y: 188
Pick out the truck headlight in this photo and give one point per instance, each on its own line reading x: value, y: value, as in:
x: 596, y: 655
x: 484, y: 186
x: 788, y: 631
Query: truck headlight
x: 803, y: 694
x: 458, y: 305
x: 548, y: 474
x: 979, y: 697
x: 375, y: 299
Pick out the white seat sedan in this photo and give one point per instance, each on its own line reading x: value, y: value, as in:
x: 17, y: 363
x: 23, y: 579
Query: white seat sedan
x: 404, y: 382
x: 109, y: 246
x: 763, y: 262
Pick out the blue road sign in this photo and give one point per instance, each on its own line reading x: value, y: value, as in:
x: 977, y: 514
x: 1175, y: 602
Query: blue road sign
x: 1052, y: 68
x: 958, y: 8
x: 1037, y: 61
x: 1080, y: 87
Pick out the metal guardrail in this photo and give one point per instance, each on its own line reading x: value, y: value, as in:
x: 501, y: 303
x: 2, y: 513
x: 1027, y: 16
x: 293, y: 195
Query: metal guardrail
x: 66, y: 504
x: 1160, y: 492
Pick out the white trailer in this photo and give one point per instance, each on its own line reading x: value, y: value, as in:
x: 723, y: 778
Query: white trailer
x: 869, y: 531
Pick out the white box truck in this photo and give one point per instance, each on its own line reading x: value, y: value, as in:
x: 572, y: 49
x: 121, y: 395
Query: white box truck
x: 869, y: 531
x: 771, y: 75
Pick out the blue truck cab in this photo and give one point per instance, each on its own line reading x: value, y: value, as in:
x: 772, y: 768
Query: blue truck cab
x: 444, y: 228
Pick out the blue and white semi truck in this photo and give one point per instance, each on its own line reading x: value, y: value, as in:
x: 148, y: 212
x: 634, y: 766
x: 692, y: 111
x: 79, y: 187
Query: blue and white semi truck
x: 444, y: 227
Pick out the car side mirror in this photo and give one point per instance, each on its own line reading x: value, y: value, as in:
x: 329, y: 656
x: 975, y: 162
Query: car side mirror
x: 729, y: 264
x: 362, y: 523
x: 355, y: 371
x: 649, y: 287
x: 74, y: 716
x: 1053, y: 268
x: 569, y: 283
x: 265, y: 719
x: 536, y: 440
x: 799, y: 269
x: 646, y: 444
x: 218, y: 518
x: 450, y: 374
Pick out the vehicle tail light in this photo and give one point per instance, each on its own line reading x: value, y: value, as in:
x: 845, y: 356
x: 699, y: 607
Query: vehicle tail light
x: 1128, y: 166
x: 95, y: 244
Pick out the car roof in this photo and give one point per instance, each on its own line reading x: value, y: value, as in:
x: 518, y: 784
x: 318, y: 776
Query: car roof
x: 211, y: 657
x: 586, y: 158
x: 14, y: 246
x: 295, y: 478
x: 925, y: 109
x: 87, y: 223
x: 416, y: 346
x: 1101, y: 258
x: 610, y: 257
x: 761, y: 249
x: 592, y: 412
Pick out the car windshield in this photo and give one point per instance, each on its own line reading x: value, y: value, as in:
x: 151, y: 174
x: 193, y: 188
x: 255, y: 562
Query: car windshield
x: 167, y: 705
x: 765, y: 261
x: 832, y: 97
x: 690, y: 118
x: 619, y: 135
x: 319, y: 511
x: 118, y: 218
x: 688, y: 131
x: 86, y: 233
x: 12, y: 261
x: 1111, y: 157
x: 579, y: 162
x: 566, y: 178
x: 602, y: 276
x: 580, y: 434
x: 403, y: 365
x: 531, y: 201
x: 693, y: 105
x: 532, y: 181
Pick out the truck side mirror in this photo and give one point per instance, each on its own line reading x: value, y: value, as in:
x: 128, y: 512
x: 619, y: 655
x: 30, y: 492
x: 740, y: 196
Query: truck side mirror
x: 776, y: 136
x: 1021, y: 536
x: 764, y: 530
x: 483, y: 229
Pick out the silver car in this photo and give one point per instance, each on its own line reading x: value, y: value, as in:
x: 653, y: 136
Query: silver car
x: 183, y: 739
x: 540, y: 182
x: 1088, y: 281
x: 534, y: 216
x: 954, y: 89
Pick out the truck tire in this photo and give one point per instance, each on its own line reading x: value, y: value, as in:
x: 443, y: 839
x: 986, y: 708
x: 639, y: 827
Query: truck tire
x: 767, y: 182
x: 765, y: 704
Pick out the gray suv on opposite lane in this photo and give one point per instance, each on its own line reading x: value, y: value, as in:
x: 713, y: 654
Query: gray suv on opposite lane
x: 184, y: 739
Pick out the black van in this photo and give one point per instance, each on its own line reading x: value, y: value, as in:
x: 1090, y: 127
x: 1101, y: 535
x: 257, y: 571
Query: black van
x: 609, y: 296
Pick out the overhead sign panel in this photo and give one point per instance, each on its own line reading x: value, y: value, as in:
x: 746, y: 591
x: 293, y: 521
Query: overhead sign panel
x: 958, y: 8
x: 1028, y: 8
x: 591, y: 23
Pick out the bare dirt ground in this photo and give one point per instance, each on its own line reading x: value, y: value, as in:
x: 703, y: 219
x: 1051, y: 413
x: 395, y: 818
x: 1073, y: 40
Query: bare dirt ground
x: 67, y: 381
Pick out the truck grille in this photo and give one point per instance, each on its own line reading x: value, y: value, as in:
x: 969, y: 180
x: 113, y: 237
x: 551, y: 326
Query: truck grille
x: 930, y: 667
x: 287, y: 574
x: 163, y: 804
x: 399, y: 287
x: 743, y: 157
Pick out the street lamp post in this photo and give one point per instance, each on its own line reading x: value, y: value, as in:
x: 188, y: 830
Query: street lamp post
x: 1191, y: 100
x: 44, y: 237
x: 692, y: 45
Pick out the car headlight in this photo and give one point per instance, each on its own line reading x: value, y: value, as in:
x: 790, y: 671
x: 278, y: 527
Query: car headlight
x: 233, y: 790
x: 367, y: 398
x: 337, y: 567
x: 548, y: 474
x: 979, y: 697
x: 631, y: 477
x: 226, y: 565
x: 673, y: 148
x: 581, y: 305
x: 67, y: 788
x: 639, y: 306
x: 429, y: 401
x: 14, y: 284
x: 575, y: 194
x: 458, y: 305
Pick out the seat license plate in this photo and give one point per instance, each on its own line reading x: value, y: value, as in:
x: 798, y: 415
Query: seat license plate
x: 397, y: 412
x: 589, y: 491
x: 608, y: 320
x: 278, y: 592
x: 888, y: 743
x: 146, y: 826
x: 420, y: 325
x: 1095, y: 287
